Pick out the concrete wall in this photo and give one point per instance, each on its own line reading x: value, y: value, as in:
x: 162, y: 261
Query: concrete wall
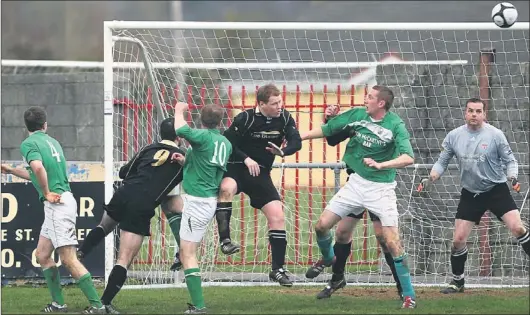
x: 431, y: 100
x: 74, y: 103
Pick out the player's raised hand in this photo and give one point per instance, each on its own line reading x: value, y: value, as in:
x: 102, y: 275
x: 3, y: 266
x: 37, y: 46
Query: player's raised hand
x: 424, y: 184
x: 181, y: 106
x: 332, y: 110
x: 252, y: 166
x: 371, y: 163
x: 6, y: 169
x: 53, y: 197
x: 274, y: 149
x: 515, y: 185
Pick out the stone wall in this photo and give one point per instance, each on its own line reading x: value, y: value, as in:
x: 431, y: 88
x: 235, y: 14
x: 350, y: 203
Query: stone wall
x: 431, y: 100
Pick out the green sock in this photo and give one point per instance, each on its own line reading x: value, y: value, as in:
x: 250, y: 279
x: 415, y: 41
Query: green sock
x: 53, y: 280
x: 174, y: 223
x: 87, y: 286
x: 193, y: 282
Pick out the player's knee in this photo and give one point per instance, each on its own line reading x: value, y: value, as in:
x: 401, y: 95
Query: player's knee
x: 459, y: 242
x: 343, y: 236
x: 227, y: 190
x: 43, y: 258
x: 321, y: 228
x: 382, y: 243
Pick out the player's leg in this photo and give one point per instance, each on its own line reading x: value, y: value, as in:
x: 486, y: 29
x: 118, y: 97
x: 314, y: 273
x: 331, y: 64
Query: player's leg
x: 63, y: 238
x: 83, y: 277
x: 172, y: 208
x: 197, y: 212
x: 112, y: 215
x: 381, y: 200
x: 503, y: 206
x: 227, y: 191
x: 378, y: 231
x: 134, y: 227
x: 50, y: 272
x: 130, y: 244
x: 263, y: 195
x: 342, y: 249
x: 513, y: 222
x: 469, y: 212
x: 96, y: 235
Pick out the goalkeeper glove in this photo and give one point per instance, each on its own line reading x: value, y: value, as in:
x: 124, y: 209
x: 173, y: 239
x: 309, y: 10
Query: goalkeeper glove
x: 515, y: 185
x: 426, y: 182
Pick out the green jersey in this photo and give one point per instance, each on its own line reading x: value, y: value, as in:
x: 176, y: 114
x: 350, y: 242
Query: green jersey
x: 382, y: 141
x: 40, y: 146
x: 205, y: 160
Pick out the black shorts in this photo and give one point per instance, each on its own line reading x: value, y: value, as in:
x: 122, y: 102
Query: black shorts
x: 259, y: 189
x: 130, y: 208
x: 472, y: 206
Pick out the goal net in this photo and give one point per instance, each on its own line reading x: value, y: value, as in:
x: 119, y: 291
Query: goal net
x: 432, y: 69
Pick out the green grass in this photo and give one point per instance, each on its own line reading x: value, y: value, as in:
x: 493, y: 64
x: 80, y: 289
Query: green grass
x: 278, y: 300
x: 299, y: 248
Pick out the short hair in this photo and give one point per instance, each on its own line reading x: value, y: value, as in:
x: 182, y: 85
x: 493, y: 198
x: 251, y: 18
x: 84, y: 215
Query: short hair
x: 265, y: 92
x: 211, y: 116
x: 35, y: 118
x: 167, y: 129
x: 384, y: 94
x: 476, y: 100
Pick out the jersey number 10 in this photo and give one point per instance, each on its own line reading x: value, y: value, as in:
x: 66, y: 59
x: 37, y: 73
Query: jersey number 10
x: 219, y: 154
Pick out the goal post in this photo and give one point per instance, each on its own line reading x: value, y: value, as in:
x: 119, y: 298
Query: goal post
x: 314, y: 64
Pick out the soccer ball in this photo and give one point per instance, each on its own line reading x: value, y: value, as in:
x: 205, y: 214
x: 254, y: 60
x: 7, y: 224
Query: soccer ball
x: 504, y: 14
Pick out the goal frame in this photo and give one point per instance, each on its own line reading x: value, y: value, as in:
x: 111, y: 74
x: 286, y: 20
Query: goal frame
x: 109, y: 65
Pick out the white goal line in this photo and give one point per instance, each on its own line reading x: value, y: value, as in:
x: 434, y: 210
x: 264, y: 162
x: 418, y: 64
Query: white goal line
x: 228, y: 65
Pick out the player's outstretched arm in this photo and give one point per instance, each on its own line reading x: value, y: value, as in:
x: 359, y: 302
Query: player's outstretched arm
x: 332, y: 127
x: 330, y: 112
x: 180, y: 108
x: 18, y: 172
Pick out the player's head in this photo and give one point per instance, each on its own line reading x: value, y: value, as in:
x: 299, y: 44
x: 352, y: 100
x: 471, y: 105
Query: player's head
x: 35, y: 119
x: 475, y: 112
x: 269, y: 100
x: 211, y: 116
x: 378, y: 98
x: 167, y: 129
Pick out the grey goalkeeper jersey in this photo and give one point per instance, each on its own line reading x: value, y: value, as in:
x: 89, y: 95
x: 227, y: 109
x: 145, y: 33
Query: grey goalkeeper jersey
x: 481, y: 156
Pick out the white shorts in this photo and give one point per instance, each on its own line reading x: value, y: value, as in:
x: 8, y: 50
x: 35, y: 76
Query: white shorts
x: 196, y: 215
x: 359, y: 194
x: 59, y: 221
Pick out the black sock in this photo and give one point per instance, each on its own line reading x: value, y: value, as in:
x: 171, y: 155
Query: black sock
x: 524, y: 240
x: 342, y: 252
x: 93, y: 238
x: 222, y: 216
x: 117, y: 278
x: 278, y: 241
x: 390, y: 261
x: 458, y: 263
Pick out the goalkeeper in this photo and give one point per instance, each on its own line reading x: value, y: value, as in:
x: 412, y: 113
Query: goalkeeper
x: 256, y: 136
x: 147, y: 178
x: 481, y: 151
x: 380, y: 145
x: 344, y: 231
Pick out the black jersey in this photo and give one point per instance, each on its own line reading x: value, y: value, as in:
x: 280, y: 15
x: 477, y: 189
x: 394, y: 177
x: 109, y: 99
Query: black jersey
x: 154, y: 170
x: 251, y: 131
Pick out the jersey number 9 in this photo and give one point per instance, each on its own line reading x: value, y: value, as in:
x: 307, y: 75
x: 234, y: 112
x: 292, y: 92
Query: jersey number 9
x: 160, y: 157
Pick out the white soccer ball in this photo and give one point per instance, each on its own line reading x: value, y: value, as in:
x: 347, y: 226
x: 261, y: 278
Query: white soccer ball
x: 504, y: 14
